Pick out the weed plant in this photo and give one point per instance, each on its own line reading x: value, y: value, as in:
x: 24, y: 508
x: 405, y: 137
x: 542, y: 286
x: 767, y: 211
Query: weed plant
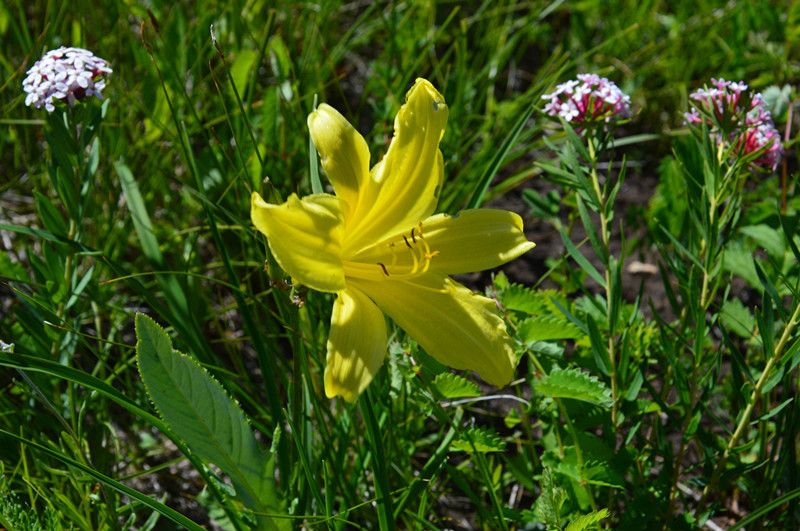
x: 655, y: 324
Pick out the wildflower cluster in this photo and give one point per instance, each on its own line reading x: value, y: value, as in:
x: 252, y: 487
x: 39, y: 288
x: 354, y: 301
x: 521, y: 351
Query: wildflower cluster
x: 739, y: 116
x: 588, y: 99
x: 66, y: 75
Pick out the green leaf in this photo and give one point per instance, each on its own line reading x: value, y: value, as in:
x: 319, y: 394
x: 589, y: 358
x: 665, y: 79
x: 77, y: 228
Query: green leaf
x: 242, y: 65
x: 581, y: 260
x: 735, y: 316
x: 139, y: 215
x: 587, y: 521
x: 542, y: 206
x: 12, y: 270
x: 774, y: 411
x: 575, y: 384
x: 199, y: 411
x: 51, y: 218
x: 548, y: 505
x: 531, y: 301
x: 489, y: 172
x: 765, y: 236
x: 738, y: 259
x: 453, y: 386
x: 546, y: 327
x: 481, y: 440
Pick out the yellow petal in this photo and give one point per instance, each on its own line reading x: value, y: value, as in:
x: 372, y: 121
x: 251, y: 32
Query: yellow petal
x: 305, y: 236
x: 356, y: 345
x: 454, y: 325
x: 404, y: 186
x: 474, y: 240
x: 343, y: 153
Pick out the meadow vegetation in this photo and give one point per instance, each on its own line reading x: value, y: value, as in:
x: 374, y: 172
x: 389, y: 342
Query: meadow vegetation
x: 654, y: 325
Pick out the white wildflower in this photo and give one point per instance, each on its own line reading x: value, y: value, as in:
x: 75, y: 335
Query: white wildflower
x: 67, y: 75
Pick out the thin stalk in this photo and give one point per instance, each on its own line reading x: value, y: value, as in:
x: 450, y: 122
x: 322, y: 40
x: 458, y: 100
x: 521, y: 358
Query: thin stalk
x: 706, y: 258
x: 744, y: 421
x: 380, y: 474
x: 606, y: 237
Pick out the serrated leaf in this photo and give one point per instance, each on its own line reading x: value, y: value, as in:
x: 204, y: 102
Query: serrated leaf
x: 546, y: 328
x: 553, y: 350
x: 481, y: 440
x: 737, y: 318
x: 534, y: 302
x: 454, y: 386
x: 575, y: 384
x: 587, y: 521
x: 198, y: 409
x: 549, y: 503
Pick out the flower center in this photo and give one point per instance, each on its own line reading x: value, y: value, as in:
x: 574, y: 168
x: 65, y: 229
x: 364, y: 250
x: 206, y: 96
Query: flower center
x: 405, y: 256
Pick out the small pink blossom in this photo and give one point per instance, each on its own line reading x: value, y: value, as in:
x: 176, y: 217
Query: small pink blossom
x: 66, y: 75
x: 589, y: 99
x: 765, y: 137
x: 741, y: 117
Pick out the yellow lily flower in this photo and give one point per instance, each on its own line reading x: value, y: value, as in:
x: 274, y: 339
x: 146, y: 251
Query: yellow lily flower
x: 377, y: 246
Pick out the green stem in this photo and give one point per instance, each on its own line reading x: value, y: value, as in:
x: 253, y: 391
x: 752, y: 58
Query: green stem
x: 380, y: 476
x: 744, y: 421
x: 606, y: 237
x: 706, y: 256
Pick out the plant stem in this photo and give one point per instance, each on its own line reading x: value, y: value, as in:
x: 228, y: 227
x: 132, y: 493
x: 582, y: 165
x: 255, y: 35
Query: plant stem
x: 606, y: 237
x: 380, y: 477
x: 748, y: 412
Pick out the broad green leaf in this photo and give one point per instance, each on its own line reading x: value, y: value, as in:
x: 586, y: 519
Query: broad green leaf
x: 481, y: 440
x: 778, y: 99
x: 737, y: 318
x: 199, y: 411
x: 765, y: 236
x: 241, y: 67
x: 738, y: 259
x: 575, y: 384
x: 453, y: 386
x: 546, y: 328
x: 587, y: 521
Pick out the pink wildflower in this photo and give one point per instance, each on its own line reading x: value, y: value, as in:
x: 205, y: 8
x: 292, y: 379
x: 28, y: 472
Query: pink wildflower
x: 738, y: 116
x: 589, y: 99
